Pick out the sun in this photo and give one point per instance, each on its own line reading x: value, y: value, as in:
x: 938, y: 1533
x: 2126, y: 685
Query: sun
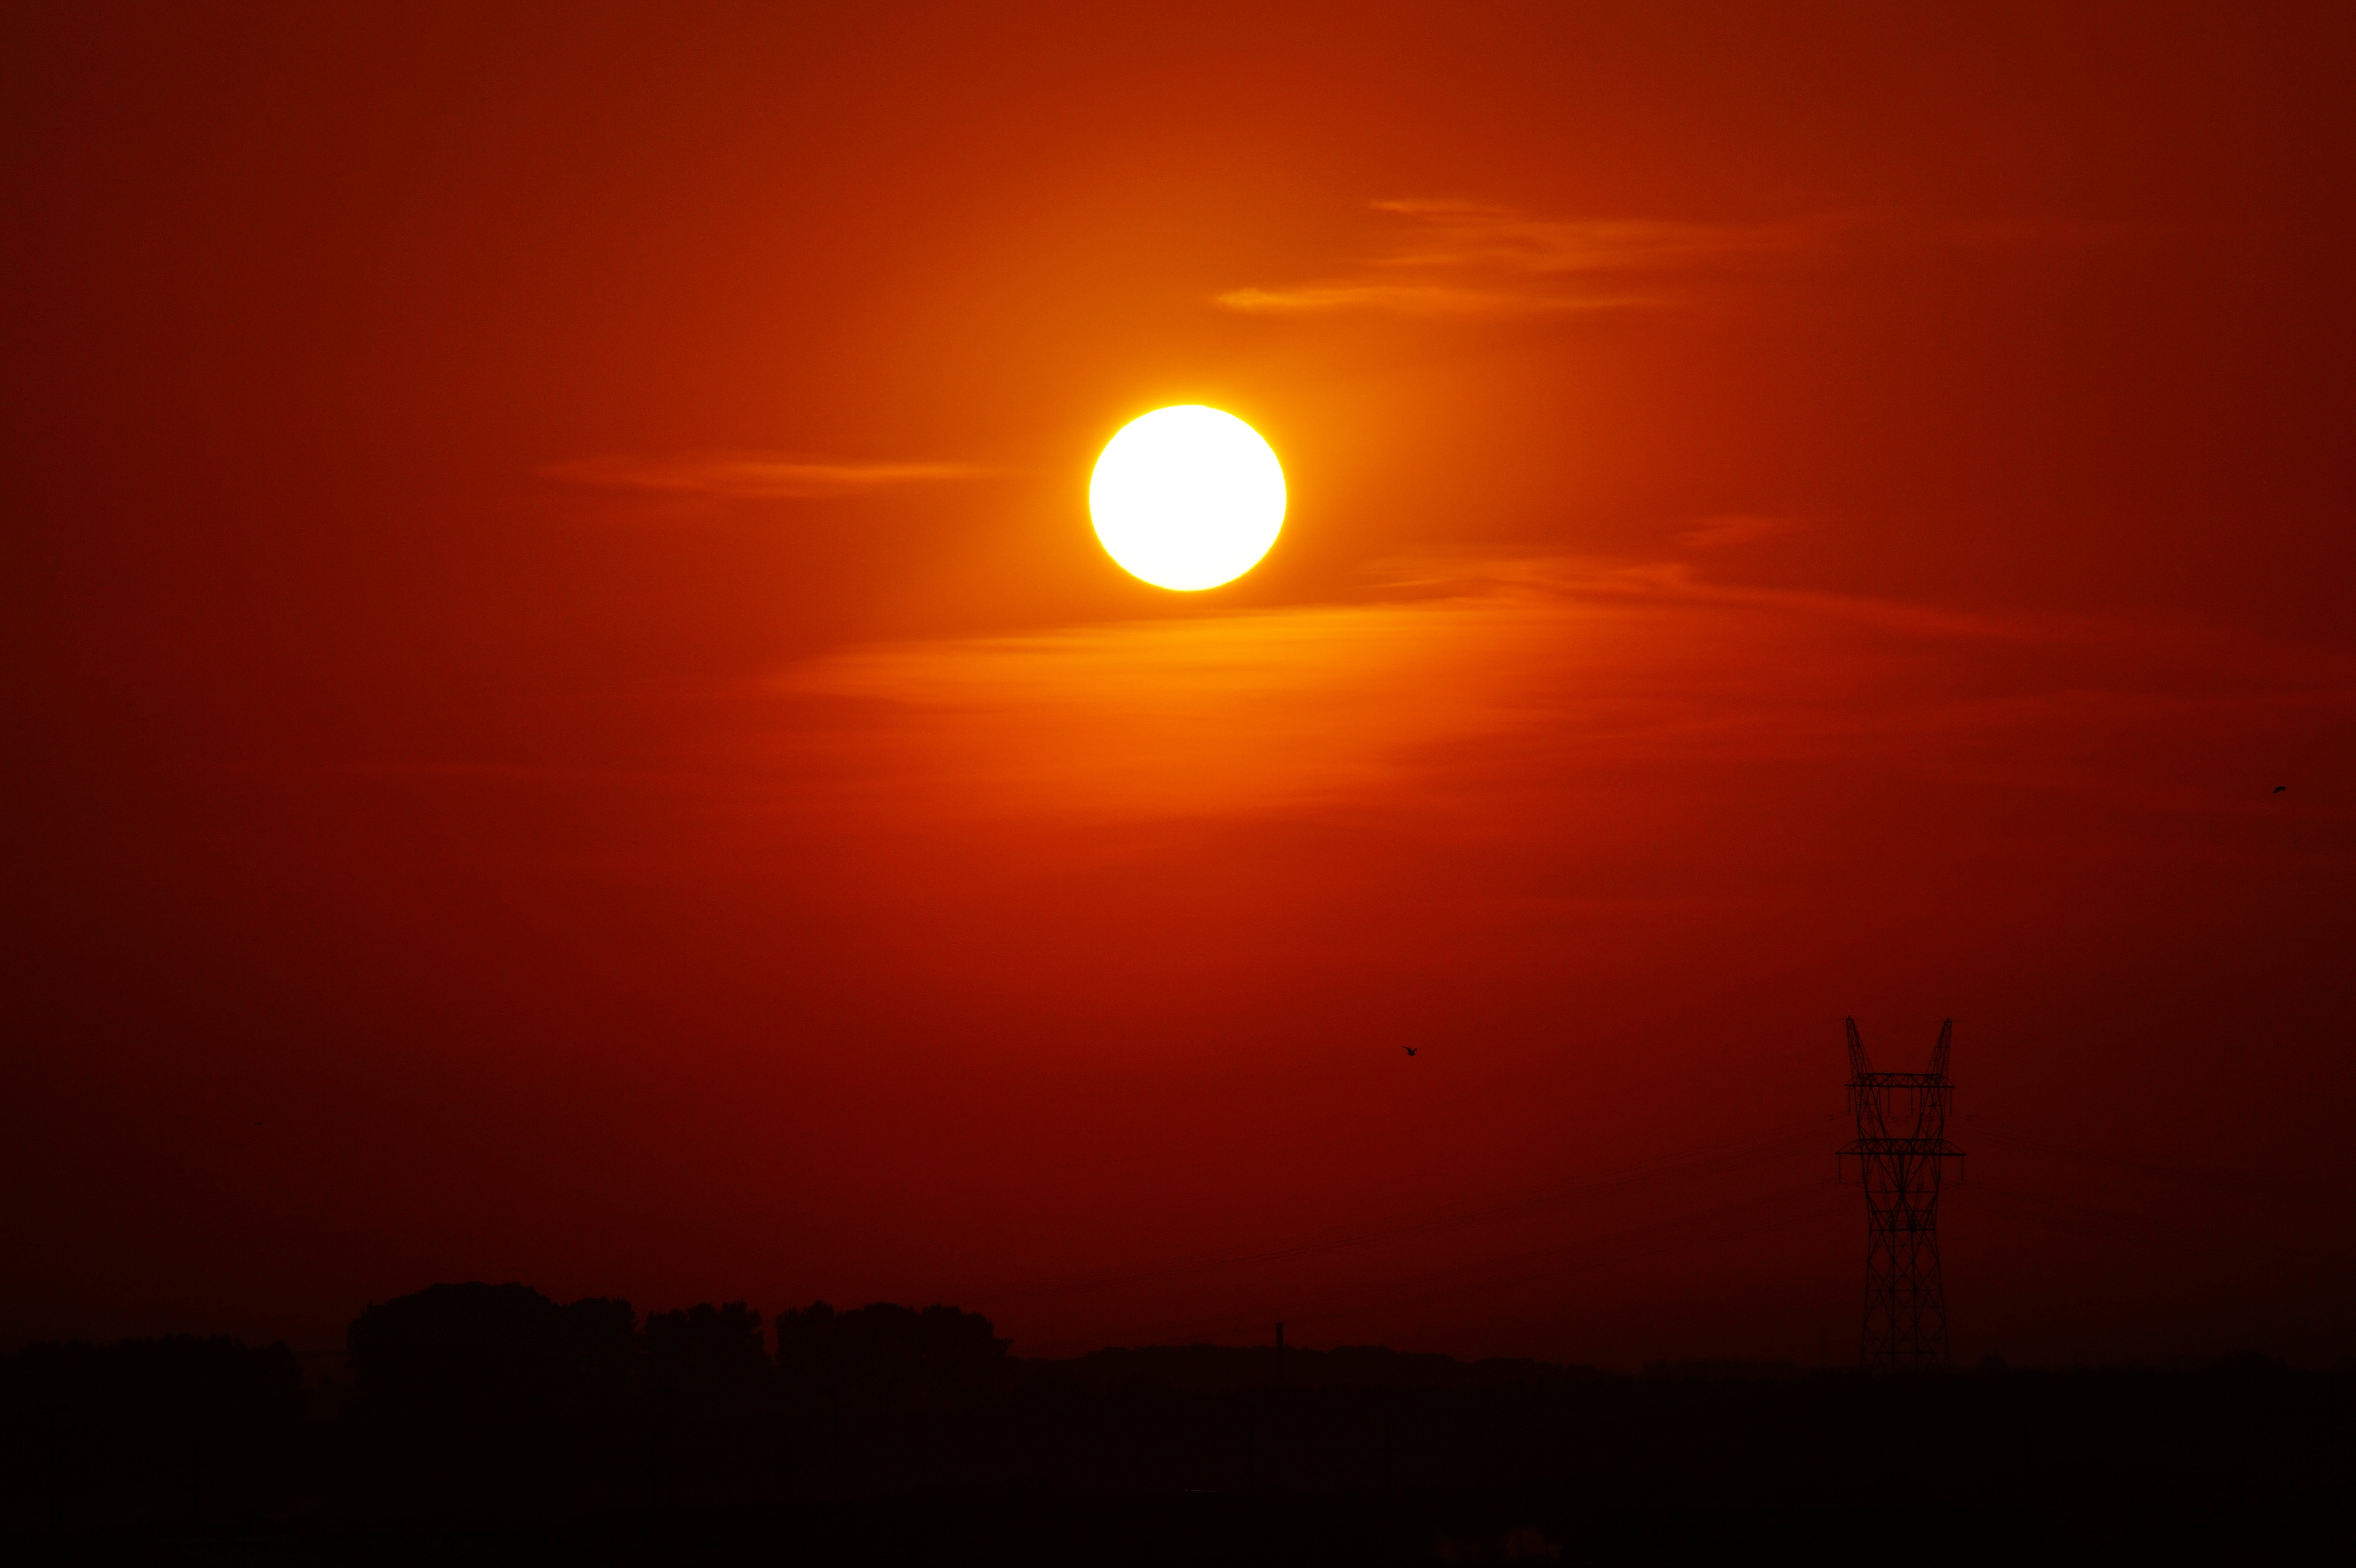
x: 1187, y: 497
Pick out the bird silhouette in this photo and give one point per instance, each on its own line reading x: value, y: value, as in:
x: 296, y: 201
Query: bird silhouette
x: 2279, y: 788
x: 1410, y: 1050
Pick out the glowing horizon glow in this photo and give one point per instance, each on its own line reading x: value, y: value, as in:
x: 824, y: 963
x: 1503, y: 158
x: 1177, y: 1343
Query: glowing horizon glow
x: 1187, y: 497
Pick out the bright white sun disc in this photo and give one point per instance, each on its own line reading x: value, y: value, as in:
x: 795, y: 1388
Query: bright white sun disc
x: 1187, y: 497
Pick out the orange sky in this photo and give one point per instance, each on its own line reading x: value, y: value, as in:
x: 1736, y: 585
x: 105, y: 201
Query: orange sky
x: 572, y: 726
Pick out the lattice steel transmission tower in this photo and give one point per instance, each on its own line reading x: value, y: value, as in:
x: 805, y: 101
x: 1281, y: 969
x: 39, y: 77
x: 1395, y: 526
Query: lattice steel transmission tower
x: 1901, y: 1151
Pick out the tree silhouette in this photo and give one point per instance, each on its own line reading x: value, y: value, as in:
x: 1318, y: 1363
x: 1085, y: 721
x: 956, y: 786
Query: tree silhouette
x: 884, y: 1354
x: 709, y: 1351
x: 492, y: 1346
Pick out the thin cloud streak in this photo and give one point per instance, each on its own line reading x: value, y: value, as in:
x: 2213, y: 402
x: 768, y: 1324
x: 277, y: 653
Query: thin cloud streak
x: 1735, y: 528
x: 756, y: 475
x: 1465, y: 259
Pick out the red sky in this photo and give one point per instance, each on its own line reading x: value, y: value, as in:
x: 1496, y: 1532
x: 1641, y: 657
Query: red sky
x: 570, y: 726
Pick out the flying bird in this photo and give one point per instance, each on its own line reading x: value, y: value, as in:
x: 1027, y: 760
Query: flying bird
x: 2279, y: 788
x: 1409, y: 1049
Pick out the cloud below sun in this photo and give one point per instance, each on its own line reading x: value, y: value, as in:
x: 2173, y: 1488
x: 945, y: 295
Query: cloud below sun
x: 1488, y: 693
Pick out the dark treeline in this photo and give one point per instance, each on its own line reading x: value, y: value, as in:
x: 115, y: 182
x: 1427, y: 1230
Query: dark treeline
x: 479, y: 1408
x: 482, y: 1399
x: 508, y: 1348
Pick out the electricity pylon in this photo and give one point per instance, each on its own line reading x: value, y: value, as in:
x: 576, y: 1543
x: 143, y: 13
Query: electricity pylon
x: 1901, y: 1151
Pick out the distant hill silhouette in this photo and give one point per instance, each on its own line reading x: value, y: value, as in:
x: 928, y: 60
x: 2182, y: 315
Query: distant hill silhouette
x: 166, y: 1383
x: 1222, y: 1369
x: 1722, y: 1371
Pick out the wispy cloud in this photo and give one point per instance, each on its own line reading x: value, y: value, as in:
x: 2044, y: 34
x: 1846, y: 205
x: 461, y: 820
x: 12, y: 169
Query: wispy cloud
x: 755, y: 474
x: 1453, y: 258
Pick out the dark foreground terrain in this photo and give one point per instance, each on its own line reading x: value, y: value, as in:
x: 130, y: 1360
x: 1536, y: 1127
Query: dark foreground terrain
x: 2120, y: 1525
x: 490, y: 1427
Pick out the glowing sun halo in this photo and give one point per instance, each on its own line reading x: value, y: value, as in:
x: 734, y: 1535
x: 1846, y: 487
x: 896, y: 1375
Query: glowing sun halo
x: 1187, y: 497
